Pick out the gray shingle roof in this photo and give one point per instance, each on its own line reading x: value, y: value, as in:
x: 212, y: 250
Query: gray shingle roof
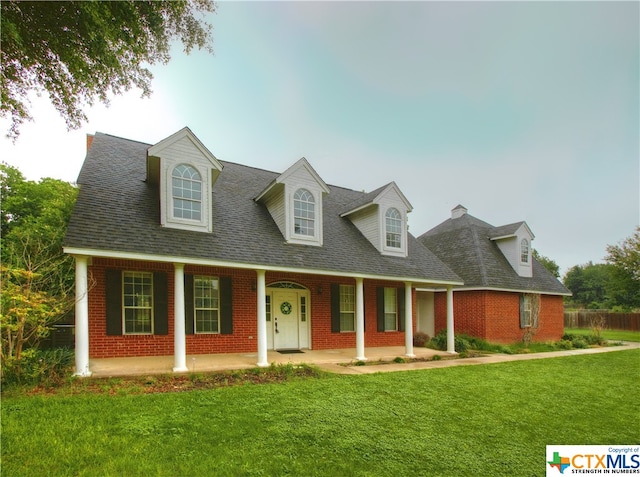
x: 117, y: 211
x: 465, y: 245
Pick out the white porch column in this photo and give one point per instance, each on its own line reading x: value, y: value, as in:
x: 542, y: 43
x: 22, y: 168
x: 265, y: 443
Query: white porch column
x: 450, y: 332
x: 408, y: 320
x: 360, y: 320
x: 262, y: 319
x: 179, y: 334
x: 82, y: 317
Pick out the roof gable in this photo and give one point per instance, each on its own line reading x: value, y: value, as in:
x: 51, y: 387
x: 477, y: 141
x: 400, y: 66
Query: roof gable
x: 381, y: 194
x: 517, y: 229
x: 301, y: 165
x: 188, y: 138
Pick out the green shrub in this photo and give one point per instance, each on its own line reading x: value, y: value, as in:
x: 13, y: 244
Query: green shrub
x: 564, y: 344
x: 461, y: 342
x: 580, y: 343
x: 594, y: 339
x: 41, y: 367
x: 398, y: 359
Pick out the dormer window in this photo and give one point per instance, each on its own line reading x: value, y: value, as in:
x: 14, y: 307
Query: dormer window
x: 304, y: 213
x: 294, y: 200
x: 381, y: 216
x: 186, y: 186
x: 393, y: 228
x: 524, y: 251
x: 185, y: 173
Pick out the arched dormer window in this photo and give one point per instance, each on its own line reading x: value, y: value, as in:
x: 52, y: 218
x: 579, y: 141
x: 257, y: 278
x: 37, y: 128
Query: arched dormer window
x: 186, y: 189
x: 524, y: 251
x: 393, y: 228
x: 304, y: 213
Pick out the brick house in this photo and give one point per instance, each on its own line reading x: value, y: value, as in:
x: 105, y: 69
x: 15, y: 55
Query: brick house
x: 505, y: 288
x: 180, y: 253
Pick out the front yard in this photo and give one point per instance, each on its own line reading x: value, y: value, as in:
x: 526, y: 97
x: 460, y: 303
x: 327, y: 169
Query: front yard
x: 477, y: 420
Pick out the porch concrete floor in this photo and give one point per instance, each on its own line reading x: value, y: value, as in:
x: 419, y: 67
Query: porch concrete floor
x: 328, y: 360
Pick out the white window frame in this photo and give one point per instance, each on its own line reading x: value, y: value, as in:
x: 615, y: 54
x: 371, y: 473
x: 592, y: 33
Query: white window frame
x: 197, y: 308
x: 347, y: 308
x: 187, y: 192
x: 524, y: 251
x: 167, y: 212
x: 140, y: 302
x: 526, y: 310
x: 390, y: 295
x: 299, y: 213
x: 393, y: 227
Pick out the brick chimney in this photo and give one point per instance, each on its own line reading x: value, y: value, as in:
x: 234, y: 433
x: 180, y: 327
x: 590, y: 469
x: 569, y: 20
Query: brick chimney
x: 458, y: 211
x: 89, y: 141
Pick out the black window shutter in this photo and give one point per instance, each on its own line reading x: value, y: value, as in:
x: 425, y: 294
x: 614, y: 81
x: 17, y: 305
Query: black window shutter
x: 523, y: 323
x: 188, y: 304
x: 226, y: 309
x: 335, y: 308
x: 380, y: 307
x: 160, y: 304
x: 401, y: 308
x: 113, y: 292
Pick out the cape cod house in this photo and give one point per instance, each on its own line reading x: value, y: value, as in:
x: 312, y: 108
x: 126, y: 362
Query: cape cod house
x: 506, y: 291
x: 180, y: 253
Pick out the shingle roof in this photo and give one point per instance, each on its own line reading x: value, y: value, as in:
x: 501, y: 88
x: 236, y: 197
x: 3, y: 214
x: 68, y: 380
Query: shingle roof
x: 117, y: 211
x: 465, y: 245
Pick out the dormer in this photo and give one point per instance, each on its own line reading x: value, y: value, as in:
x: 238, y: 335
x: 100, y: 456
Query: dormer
x: 294, y: 200
x: 514, y: 241
x: 185, y: 172
x: 381, y: 216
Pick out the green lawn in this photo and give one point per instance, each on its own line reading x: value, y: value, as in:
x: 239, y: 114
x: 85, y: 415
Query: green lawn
x: 611, y: 335
x: 461, y: 421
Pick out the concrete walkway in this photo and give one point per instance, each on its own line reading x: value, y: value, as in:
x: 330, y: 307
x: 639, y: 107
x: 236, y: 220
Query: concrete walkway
x: 328, y: 360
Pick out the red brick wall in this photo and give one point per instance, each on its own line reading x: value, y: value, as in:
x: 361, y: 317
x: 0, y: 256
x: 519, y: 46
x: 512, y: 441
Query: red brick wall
x: 244, y: 337
x: 495, y: 316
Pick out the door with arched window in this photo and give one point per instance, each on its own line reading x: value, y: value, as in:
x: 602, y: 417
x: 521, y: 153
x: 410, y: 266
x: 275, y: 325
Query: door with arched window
x: 288, y: 324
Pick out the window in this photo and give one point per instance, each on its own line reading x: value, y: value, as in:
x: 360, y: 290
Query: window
x: 138, y: 302
x: 525, y: 311
x: 267, y: 300
x: 347, y: 308
x: 524, y: 251
x: 187, y: 193
x: 390, y: 310
x: 304, y: 213
x: 303, y: 308
x: 207, y: 304
x: 393, y: 228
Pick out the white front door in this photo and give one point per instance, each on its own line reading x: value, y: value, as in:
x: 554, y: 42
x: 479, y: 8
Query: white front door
x: 286, y: 319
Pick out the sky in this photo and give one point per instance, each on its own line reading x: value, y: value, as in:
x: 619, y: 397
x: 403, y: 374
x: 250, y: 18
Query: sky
x: 519, y: 111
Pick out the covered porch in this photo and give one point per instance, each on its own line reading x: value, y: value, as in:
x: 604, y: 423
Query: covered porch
x: 202, y: 363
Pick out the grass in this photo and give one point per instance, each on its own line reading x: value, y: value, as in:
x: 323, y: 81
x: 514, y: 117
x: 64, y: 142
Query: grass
x: 467, y: 420
x: 610, y: 335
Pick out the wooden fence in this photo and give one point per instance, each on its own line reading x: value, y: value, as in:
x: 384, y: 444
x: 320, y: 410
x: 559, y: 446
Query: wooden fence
x: 614, y: 321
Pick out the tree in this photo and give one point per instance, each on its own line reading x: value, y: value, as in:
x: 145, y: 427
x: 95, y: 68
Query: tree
x: 79, y: 51
x: 37, y: 278
x: 547, y: 263
x: 590, y: 285
x: 625, y: 278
